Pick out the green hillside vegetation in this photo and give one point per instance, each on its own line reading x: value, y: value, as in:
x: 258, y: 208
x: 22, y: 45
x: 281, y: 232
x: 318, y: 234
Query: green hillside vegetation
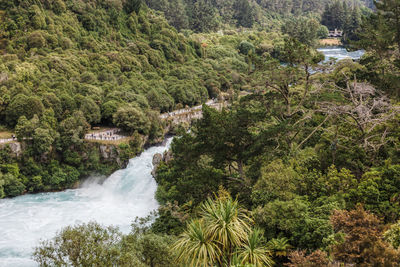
x: 68, y: 65
x: 212, y: 15
x: 315, y: 158
x: 303, y: 170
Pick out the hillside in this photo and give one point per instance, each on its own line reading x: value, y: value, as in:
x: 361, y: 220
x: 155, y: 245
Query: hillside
x: 94, y: 53
x: 66, y: 66
x: 212, y: 15
x: 298, y: 166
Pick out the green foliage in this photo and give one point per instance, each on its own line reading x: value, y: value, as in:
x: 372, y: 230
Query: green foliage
x: 323, y: 32
x: 392, y: 235
x: 378, y: 38
x: 82, y: 64
x: 81, y: 245
x: 295, y: 150
x: 222, y: 232
x: 334, y: 16
x: 23, y: 105
x: 303, y: 29
x: 187, y: 14
x: 271, y: 150
x: 132, y: 6
x: 295, y: 220
x: 243, y: 13
x: 94, y: 245
x: 36, y: 40
x: 43, y: 140
x: 10, y: 185
x: 131, y: 119
x: 246, y: 48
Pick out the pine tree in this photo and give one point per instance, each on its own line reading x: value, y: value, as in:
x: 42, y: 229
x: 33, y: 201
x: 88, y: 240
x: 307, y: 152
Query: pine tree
x: 335, y: 14
x: 352, y: 24
x: 203, y: 16
x: 243, y: 13
x: 390, y: 10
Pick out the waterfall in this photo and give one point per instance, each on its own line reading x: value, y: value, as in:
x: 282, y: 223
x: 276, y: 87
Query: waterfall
x: 124, y: 195
x: 127, y: 193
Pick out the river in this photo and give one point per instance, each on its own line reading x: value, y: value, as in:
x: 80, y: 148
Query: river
x: 124, y: 195
x: 339, y: 53
x: 127, y: 193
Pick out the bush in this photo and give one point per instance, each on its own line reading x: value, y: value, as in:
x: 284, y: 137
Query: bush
x: 23, y: 105
x: 36, y: 40
x: 59, y: 6
x: 132, y: 119
x: 246, y: 48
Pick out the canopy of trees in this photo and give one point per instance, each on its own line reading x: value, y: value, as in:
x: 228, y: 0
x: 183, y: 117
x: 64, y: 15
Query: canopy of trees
x: 302, y: 168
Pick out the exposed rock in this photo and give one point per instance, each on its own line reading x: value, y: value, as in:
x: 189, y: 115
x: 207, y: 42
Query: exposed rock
x: 167, y: 156
x: 110, y: 153
x: 15, y: 147
x: 104, y: 151
x: 157, y: 158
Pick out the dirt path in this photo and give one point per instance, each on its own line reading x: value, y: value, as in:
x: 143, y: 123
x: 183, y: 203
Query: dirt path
x: 114, y: 134
x: 180, y: 112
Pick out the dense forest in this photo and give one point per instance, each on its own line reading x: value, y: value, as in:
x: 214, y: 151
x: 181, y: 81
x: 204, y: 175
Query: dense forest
x: 69, y: 65
x: 303, y: 169
x: 211, y: 15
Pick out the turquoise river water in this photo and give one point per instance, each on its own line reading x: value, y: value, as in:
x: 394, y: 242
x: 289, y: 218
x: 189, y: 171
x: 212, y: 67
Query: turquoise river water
x: 127, y: 193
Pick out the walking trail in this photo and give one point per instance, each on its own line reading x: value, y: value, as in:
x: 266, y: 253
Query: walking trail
x: 114, y: 134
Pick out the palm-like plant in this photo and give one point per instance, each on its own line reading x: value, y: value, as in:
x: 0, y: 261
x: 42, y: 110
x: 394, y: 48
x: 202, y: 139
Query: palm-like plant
x: 279, y: 246
x: 214, y: 238
x: 254, y: 252
x: 195, y: 247
x: 226, y: 223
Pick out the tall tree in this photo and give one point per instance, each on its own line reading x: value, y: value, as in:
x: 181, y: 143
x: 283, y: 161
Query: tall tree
x: 243, y: 13
x: 334, y: 15
x: 203, y: 16
x: 305, y: 30
x: 390, y: 10
x: 351, y: 26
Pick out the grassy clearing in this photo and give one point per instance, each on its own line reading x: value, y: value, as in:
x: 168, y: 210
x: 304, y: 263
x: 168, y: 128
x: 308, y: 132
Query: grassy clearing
x: 330, y: 41
x: 5, y: 134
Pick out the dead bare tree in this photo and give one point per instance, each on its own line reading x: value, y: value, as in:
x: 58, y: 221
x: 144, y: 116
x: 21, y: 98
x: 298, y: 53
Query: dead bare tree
x: 365, y: 108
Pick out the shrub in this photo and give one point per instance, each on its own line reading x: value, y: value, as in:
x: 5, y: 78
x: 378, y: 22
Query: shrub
x: 132, y: 119
x: 36, y: 40
x: 245, y: 48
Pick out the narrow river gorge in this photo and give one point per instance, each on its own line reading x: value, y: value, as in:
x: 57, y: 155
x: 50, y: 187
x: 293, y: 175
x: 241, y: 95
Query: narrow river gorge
x: 124, y: 195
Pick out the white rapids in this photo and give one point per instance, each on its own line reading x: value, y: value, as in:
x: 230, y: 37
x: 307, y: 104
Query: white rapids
x: 127, y: 193
x: 339, y: 53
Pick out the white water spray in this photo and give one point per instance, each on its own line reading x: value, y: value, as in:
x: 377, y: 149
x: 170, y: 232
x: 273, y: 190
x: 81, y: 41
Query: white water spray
x: 340, y: 53
x: 124, y: 195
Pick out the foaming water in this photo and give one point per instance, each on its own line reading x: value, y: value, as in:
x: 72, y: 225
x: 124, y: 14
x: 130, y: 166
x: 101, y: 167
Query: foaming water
x: 124, y: 195
x: 340, y: 53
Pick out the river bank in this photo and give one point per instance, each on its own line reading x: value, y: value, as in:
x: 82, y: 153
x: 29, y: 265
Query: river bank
x: 127, y: 193
x: 330, y: 42
x: 117, y: 200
